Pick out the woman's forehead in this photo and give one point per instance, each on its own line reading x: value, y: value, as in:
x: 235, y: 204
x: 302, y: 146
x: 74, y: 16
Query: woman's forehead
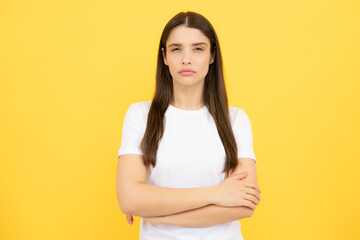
x: 182, y: 35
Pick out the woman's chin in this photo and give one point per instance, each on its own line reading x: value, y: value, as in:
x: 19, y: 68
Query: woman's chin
x: 187, y: 82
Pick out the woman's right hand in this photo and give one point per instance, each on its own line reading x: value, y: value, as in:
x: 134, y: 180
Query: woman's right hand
x: 235, y: 192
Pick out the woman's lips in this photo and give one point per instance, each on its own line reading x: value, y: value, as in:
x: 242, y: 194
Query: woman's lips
x: 187, y: 73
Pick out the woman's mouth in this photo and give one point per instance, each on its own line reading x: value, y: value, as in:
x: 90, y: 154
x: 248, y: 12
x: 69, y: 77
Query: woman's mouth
x: 187, y: 72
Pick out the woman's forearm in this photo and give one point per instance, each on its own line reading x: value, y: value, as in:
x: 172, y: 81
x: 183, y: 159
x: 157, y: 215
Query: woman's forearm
x: 148, y: 200
x: 205, y: 216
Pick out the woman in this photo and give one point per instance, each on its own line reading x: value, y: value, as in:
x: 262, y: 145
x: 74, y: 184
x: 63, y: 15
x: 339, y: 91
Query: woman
x: 186, y: 161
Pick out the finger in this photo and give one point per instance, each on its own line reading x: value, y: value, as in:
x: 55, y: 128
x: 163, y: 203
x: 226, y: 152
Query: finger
x: 129, y: 219
x: 252, y: 198
x: 249, y: 204
x: 258, y: 189
x: 253, y: 192
x: 252, y: 185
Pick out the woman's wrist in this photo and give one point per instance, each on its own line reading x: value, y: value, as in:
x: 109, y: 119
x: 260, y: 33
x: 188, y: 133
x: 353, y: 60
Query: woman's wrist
x: 213, y: 195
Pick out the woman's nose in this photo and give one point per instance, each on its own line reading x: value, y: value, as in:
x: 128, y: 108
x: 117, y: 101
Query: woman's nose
x: 186, y: 57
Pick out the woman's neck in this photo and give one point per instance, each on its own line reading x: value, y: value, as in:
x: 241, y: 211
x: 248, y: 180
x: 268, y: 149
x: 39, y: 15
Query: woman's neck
x: 188, y: 98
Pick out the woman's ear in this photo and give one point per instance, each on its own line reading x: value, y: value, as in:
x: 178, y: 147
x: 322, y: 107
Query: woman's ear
x: 211, y: 60
x: 164, y: 56
x: 212, y: 56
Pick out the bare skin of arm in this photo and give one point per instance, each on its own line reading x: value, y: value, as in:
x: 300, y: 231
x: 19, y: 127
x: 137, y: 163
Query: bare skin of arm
x: 154, y: 200
x: 212, y: 214
x: 138, y: 198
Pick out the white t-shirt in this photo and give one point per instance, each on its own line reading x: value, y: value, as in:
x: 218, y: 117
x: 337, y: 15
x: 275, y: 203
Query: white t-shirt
x: 190, y: 155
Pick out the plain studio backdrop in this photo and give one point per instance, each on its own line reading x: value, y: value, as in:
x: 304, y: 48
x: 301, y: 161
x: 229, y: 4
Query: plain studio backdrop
x: 69, y: 70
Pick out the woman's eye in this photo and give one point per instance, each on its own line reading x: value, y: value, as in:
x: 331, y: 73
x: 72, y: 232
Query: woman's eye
x: 197, y: 49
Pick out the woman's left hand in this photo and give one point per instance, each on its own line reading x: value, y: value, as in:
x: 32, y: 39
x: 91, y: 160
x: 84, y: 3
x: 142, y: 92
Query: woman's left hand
x: 129, y: 219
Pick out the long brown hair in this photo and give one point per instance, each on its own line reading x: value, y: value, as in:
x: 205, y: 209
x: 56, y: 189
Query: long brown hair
x: 214, y: 93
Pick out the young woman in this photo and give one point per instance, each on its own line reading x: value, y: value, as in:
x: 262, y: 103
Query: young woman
x: 186, y: 162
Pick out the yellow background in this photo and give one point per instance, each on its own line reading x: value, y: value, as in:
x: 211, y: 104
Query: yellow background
x: 70, y: 69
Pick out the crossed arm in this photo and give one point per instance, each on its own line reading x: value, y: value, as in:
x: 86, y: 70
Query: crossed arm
x: 211, y: 214
x: 202, y: 217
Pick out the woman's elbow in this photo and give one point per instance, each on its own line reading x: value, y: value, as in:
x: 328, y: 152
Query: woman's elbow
x: 124, y: 202
x: 124, y: 208
x: 249, y: 212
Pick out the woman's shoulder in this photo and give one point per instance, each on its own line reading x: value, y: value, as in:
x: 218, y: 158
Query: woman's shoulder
x: 142, y: 106
x: 139, y: 109
x: 237, y: 114
x: 234, y: 111
x: 137, y: 112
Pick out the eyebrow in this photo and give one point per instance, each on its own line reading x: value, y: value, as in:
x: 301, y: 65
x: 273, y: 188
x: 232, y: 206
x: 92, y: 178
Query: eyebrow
x: 194, y: 44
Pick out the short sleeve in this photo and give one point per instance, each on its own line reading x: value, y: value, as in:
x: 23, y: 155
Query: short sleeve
x: 132, y: 132
x: 243, y: 135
